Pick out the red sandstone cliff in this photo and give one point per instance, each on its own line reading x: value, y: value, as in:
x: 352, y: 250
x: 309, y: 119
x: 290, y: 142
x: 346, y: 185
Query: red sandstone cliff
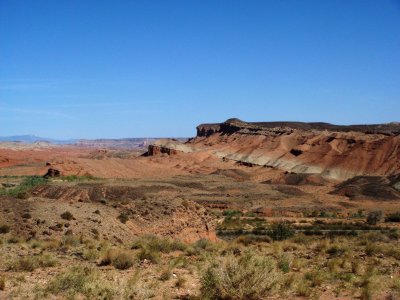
x: 334, y: 151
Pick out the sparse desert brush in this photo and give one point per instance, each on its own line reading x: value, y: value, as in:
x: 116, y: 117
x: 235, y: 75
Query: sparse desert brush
x: 299, y: 263
x: 14, y: 239
x: 120, y: 259
x: 67, y: 216
x: 289, y: 246
x: 249, y: 276
x: 281, y: 231
x: 290, y: 280
x: 356, y: 267
x: 372, y: 249
x: 80, y: 280
x: 139, y: 289
x: 179, y: 262
x: 300, y: 238
x: 393, y: 234
x: 180, y: 282
x: 165, y: 274
x: 50, y: 244
x: 252, y: 239
x: 368, y: 286
x: 205, y: 244
x: 284, y: 262
x: 158, y: 244
x: 389, y: 250
x: 4, y: 229
x: 375, y: 237
x: 192, y: 251
x: 322, y: 245
x: 70, y: 241
x: 303, y: 289
x: 315, y: 277
x: 91, y: 254
x: 29, y: 264
x: 336, y: 250
x: 123, y: 260
x: 35, y: 244
x: 148, y: 254
x: 333, y: 265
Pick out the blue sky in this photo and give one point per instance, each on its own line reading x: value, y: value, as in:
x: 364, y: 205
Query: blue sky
x: 91, y: 69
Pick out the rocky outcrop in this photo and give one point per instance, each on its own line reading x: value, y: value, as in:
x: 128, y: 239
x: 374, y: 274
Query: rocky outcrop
x: 168, y: 146
x: 370, y: 187
x: 333, y: 151
x: 234, y: 125
x: 327, y: 150
x: 154, y: 150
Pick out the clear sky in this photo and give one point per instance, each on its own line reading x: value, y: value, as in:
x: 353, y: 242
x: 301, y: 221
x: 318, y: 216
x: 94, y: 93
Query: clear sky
x: 90, y: 69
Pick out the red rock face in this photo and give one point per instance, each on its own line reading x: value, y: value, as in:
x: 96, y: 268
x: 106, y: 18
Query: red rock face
x: 334, y: 151
x: 158, y: 150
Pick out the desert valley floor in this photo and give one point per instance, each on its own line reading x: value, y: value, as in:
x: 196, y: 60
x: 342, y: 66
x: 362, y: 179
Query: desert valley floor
x: 241, y: 211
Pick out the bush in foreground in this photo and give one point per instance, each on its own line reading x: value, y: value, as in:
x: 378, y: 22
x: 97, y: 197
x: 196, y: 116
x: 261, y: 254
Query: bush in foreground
x: 247, y: 277
x: 120, y: 259
x: 79, y: 280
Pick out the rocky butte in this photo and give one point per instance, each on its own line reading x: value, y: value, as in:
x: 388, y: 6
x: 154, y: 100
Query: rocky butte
x: 333, y: 151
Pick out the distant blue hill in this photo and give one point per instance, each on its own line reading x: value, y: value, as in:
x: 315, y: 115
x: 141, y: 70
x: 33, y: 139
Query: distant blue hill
x: 32, y: 139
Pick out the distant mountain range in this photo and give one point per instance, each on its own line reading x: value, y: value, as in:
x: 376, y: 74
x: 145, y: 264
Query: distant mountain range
x: 124, y: 143
x: 32, y: 139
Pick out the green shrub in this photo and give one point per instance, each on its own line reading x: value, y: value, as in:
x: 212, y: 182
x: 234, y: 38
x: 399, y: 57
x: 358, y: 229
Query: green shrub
x: 247, y: 277
x: 232, y: 213
x: 394, y: 217
x: 120, y: 259
x: 284, y: 263
x: 21, y: 191
x: 281, y: 231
